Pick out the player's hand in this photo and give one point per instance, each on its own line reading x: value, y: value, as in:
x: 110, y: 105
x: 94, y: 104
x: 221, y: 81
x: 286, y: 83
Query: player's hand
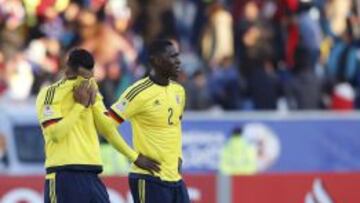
x: 147, y: 164
x: 82, y: 93
x: 180, y: 165
x: 93, y: 92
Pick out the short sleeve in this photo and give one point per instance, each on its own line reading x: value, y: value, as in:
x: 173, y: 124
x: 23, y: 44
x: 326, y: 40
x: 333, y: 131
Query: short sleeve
x: 130, y: 103
x: 47, y: 111
x: 99, y: 103
x: 125, y: 108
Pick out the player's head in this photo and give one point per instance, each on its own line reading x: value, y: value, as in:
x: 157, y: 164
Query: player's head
x: 80, y: 63
x: 237, y: 131
x: 164, y: 58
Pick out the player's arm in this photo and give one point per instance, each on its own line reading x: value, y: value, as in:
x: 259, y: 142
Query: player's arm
x: 53, y: 123
x: 107, y: 128
x: 183, y: 104
x: 57, y: 129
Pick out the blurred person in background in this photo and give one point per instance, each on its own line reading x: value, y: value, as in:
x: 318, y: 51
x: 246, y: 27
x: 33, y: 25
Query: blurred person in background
x: 153, y: 19
x: 343, y: 97
x: 3, y: 84
x: 3, y: 156
x: 12, y: 29
x: 310, y: 35
x: 225, y: 85
x: 115, y: 52
x: 217, y: 40
x: 88, y: 28
x: 343, y: 63
x: 70, y: 36
x: 255, y: 58
x: 44, y: 57
x: 263, y: 86
x: 19, y: 77
x: 262, y: 33
x: 238, y: 157
x: 198, y: 92
x: 304, y: 89
x: 185, y: 12
x: 253, y: 32
x: 337, y: 12
x: 50, y: 22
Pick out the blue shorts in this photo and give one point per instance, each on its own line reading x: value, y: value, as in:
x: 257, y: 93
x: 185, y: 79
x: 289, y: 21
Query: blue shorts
x: 75, y: 187
x: 149, y: 189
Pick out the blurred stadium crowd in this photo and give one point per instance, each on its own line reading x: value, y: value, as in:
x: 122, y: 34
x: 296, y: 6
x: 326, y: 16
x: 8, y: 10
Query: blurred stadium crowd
x: 236, y: 54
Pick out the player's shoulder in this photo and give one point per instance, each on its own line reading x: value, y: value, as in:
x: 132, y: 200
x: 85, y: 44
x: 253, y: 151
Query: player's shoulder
x: 138, y: 89
x: 177, y: 86
x: 40, y: 98
x: 51, y: 93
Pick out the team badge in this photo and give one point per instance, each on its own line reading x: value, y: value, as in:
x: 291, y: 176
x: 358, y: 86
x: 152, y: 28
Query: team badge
x: 48, y: 111
x: 122, y: 105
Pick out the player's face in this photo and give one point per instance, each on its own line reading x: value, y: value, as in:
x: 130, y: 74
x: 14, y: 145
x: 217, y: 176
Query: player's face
x: 170, y: 66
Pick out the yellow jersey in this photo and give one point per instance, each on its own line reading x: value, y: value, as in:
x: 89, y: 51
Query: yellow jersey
x: 71, y: 140
x: 155, y: 114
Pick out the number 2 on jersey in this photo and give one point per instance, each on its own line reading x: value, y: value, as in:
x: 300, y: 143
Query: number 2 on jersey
x: 170, y: 110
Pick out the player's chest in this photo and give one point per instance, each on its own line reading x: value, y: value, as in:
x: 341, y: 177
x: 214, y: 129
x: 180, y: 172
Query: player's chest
x: 165, y: 109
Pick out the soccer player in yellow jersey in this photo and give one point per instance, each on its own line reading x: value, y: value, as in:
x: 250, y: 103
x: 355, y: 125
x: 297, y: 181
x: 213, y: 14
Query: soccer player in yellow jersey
x: 154, y: 106
x: 71, y: 113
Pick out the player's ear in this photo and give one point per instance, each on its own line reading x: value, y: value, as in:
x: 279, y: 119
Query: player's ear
x: 155, y: 61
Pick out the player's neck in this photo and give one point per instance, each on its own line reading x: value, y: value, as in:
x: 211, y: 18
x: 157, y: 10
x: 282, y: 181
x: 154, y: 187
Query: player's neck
x: 70, y: 76
x: 159, y: 80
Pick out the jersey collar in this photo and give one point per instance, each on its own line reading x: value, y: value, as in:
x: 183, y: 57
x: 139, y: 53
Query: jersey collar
x: 156, y: 81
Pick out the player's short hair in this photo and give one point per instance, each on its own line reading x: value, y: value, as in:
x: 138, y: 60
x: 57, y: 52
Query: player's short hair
x: 158, y: 47
x: 80, y: 58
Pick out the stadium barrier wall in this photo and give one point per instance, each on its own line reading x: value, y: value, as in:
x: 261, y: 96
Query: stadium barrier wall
x: 270, y: 188
x: 29, y: 189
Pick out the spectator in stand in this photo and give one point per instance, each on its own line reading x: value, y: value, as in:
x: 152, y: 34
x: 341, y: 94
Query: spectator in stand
x: 343, y: 97
x: 3, y: 156
x: 88, y: 28
x: 217, y: 41
x: 19, y: 77
x: 256, y: 56
x: 255, y: 41
x: 35, y: 34
x: 197, y: 92
x: 337, y: 12
x: 343, y: 63
x: 3, y: 84
x: 309, y: 31
x: 304, y: 88
x: 12, y: 16
x: 185, y: 12
x: 225, y: 85
x: 153, y: 19
x: 43, y: 55
x: 264, y: 86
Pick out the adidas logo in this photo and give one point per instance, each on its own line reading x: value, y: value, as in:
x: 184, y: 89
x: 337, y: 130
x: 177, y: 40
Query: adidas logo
x: 156, y: 103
